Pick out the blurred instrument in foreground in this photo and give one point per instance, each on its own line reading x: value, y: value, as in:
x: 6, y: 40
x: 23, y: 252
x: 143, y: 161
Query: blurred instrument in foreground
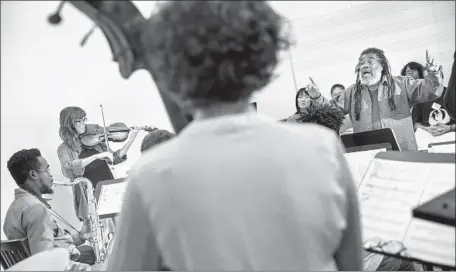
x: 122, y: 24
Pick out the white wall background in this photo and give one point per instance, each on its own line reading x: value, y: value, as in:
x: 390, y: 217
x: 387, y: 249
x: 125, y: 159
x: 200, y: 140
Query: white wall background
x: 45, y: 70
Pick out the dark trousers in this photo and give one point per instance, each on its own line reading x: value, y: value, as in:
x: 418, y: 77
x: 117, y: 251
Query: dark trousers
x: 87, y: 254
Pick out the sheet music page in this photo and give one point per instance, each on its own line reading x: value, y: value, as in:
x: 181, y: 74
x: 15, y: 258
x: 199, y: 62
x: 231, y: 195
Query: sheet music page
x: 359, y: 162
x: 428, y: 240
x: 447, y: 137
x: 110, y: 200
x: 444, y: 148
x: 388, y: 194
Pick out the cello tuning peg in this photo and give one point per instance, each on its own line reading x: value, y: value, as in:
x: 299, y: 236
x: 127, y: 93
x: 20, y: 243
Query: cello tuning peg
x: 54, y: 19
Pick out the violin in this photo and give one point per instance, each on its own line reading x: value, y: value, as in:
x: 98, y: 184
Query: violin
x: 123, y: 26
x: 117, y: 132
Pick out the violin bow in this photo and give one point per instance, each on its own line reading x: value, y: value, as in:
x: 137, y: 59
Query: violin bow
x: 122, y: 24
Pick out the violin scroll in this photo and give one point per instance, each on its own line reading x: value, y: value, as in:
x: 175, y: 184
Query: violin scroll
x: 55, y: 18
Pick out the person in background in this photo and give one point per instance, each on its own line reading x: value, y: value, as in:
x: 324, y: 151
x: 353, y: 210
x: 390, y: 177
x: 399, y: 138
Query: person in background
x: 337, y: 97
x: 449, y: 100
x: 236, y: 190
x: 154, y: 138
x: 309, y: 100
x: 306, y: 98
x: 327, y: 115
x: 30, y: 216
x: 423, y: 114
x: 77, y: 160
x: 379, y: 100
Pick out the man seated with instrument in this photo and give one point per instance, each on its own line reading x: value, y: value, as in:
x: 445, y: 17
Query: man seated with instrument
x: 31, y: 217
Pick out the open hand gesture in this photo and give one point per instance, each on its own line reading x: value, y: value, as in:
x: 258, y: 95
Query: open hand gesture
x: 433, y: 67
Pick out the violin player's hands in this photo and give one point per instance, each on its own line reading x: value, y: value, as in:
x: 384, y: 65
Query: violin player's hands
x: 105, y: 155
x: 133, y: 133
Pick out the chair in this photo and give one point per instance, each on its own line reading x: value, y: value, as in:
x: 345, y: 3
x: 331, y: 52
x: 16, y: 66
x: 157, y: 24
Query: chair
x: 13, y: 251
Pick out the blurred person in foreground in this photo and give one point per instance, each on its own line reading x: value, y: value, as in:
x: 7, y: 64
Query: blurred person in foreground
x: 236, y: 190
x: 449, y: 100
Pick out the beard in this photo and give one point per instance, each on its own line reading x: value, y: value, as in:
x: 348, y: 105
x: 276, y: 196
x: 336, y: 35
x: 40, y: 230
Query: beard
x: 47, y: 190
x: 370, y: 80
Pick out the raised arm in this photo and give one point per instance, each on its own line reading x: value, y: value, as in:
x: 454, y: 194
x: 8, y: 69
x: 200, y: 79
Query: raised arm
x: 121, y: 154
x: 71, y: 165
x: 423, y: 90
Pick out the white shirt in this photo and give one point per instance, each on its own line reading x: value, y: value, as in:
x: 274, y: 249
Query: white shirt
x: 240, y: 192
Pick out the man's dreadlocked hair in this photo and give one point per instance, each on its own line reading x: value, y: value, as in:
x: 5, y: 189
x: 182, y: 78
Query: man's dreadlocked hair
x: 385, y: 72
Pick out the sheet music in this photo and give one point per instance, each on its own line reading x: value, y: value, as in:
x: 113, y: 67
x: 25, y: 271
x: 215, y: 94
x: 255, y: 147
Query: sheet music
x: 110, y: 200
x: 389, y: 192
x: 359, y: 162
x: 443, y: 148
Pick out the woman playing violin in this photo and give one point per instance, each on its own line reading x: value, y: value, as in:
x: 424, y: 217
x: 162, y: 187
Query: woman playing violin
x: 91, y: 162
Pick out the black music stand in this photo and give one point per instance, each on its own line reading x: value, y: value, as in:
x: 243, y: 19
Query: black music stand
x: 366, y: 138
x: 370, y: 147
x: 254, y: 104
x: 440, y: 209
x: 98, y: 192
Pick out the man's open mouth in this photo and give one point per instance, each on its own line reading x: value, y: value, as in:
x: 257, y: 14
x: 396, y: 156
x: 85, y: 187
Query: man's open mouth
x: 366, y: 73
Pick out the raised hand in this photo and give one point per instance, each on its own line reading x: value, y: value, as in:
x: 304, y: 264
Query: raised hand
x: 312, y: 89
x: 433, y: 66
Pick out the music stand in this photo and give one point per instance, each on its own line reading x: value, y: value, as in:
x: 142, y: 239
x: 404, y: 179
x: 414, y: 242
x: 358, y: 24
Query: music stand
x: 365, y: 138
x: 254, y: 104
x: 440, y: 209
x: 100, y: 190
x: 370, y: 147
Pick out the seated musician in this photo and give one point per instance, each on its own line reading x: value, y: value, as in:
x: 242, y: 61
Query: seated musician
x: 236, y: 190
x: 337, y: 91
x: 430, y: 116
x: 30, y: 216
x: 154, y: 138
x: 309, y: 100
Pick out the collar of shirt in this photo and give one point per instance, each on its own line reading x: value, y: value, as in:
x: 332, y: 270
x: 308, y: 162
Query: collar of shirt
x: 19, y: 192
x: 225, y: 123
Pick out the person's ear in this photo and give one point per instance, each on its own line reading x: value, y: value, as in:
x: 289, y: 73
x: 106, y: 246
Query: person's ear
x: 33, y: 174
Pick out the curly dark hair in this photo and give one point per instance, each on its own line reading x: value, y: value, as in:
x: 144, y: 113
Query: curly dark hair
x: 22, y: 162
x: 386, y: 71
x: 414, y: 66
x: 326, y: 115
x: 206, y: 52
x: 154, y: 138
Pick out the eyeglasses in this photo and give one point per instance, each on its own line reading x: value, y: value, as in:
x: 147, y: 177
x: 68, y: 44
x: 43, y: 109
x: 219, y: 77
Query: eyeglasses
x: 82, y: 120
x: 48, y: 170
x: 392, y: 247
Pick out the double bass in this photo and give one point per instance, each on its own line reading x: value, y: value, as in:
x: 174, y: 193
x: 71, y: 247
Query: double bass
x: 123, y: 24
